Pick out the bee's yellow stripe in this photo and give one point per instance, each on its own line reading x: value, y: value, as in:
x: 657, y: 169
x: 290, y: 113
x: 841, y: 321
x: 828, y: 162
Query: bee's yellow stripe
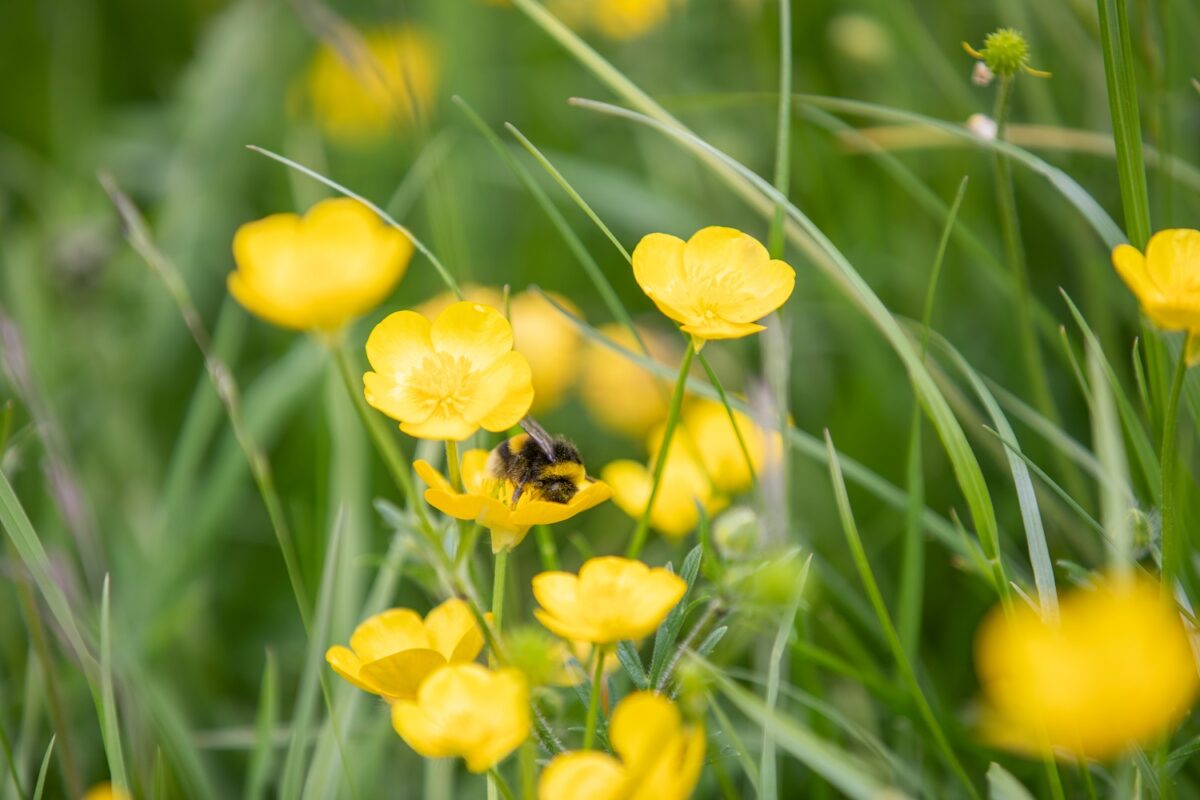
x: 571, y: 470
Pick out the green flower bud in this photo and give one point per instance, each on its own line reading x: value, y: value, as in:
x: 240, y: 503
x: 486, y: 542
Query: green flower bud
x: 735, y: 532
x: 1005, y: 52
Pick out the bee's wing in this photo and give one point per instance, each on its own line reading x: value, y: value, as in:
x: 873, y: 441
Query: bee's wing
x: 539, y: 435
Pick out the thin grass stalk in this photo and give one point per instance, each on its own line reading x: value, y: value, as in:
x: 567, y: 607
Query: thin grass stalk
x: 110, y: 723
x: 1173, y: 551
x: 850, y: 528
x: 223, y: 382
x: 767, y: 776
x: 593, y: 709
x: 547, y: 549
x: 496, y: 781
x: 1014, y: 252
x: 6, y: 746
x: 783, y: 128
x: 737, y: 430
x: 643, y: 525
x: 44, y: 771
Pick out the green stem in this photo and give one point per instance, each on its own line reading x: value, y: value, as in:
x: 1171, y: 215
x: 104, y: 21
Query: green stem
x: 439, y: 778
x: 643, y: 526
x: 501, y: 785
x: 453, y: 468
x: 1052, y: 777
x: 547, y: 549
x: 593, y: 712
x: 466, y: 542
x: 783, y: 127
x: 499, y: 582
x: 1172, y: 550
x: 1088, y: 786
x: 528, y: 758
x: 737, y: 431
x: 1014, y: 252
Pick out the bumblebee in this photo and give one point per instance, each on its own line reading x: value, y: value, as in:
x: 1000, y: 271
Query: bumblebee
x: 548, y: 467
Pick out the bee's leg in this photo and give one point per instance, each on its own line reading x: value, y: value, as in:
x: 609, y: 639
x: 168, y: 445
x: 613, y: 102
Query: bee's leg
x: 517, y: 494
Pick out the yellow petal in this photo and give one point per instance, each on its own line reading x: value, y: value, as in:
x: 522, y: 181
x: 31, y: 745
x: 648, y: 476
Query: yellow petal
x: 433, y: 479
x: 475, y: 475
x: 765, y: 290
x: 583, y: 775
x: 630, y: 482
x: 398, y: 344
x: 389, y: 632
x: 575, y: 629
x: 454, y: 631
x: 441, y: 425
x: 460, y: 506
x: 716, y: 252
x: 474, y: 331
x: 658, y: 268
x: 544, y: 512
x: 641, y: 724
x: 400, y: 675
x: 556, y: 591
x: 1131, y: 266
x: 1173, y: 263
x: 721, y: 329
x: 420, y: 730
x: 511, y: 372
x: 507, y: 538
x: 349, y: 667
x: 398, y: 400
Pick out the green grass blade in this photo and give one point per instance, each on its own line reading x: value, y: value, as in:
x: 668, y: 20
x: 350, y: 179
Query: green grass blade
x: 1110, y: 452
x: 850, y: 528
x: 1003, y: 786
x: 261, y: 759
x: 767, y: 779
x: 1126, y: 119
x: 40, y: 786
x: 847, y: 772
x: 783, y: 128
x: 729, y: 730
x: 827, y: 256
x: 110, y: 724
x: 1031, y: 518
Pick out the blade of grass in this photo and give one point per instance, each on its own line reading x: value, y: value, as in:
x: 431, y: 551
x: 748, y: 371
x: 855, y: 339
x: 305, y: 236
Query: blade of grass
x: 6, y: 746
x: 826, y: 255
x: 445, y: 275
x: 783, y: 128
x: 1110, y: 452
x: 110, y: 724
x: 912, y: 558
x: 848, y: 773
x: 735, y: 741
x: 850, y: 528
x: 139, y: 238
x: 259, y: 773
x: 767, y: 780
x: 1031, y: 518
x: 40, y: 786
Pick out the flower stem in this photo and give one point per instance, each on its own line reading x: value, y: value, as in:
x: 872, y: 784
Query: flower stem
x: 529, y: 769
x: 453, y: 469
x: 501, y: 785
x: 593, y: 712
x: 737, y: 432
x: 499, y: 582
x: 546, y: 547
x: 643, y: 526
x: 1172, y: 552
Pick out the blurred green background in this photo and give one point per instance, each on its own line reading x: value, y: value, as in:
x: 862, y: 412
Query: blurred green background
x: 124, y: 460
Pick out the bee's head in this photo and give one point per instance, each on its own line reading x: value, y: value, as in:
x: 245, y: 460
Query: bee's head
x: 556, y: 489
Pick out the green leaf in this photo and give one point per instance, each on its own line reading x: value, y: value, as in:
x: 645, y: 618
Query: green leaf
x: 45, y: 768
x: 1003, y: 786
x: 627, y: 654
x: 668, y: 632
x: 110, y: 725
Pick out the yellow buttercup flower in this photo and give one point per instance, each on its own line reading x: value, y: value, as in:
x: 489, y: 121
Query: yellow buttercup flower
x: 684, y: 484
x: 547, y: 339
x: 368, y: 86
x: 488, y: 500
x: 106, y: 791
x: 619, y: 394
x: 319, y: 271
x: 710, y: 437
x: 612, y: 599
x: 392, y: 653
x: 660, y: 757
x: 447, y: 379
x: 715, y: 285
x: 1116, y: 671
x: 1166, y: 281
x: 617, y: 19
x: 468, y: 711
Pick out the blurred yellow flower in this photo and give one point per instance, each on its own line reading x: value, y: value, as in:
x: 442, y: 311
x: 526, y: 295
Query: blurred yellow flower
x: 617, y: 19
x: 710, y: 437
x: 372, y: 84
x: 715, y: 285
x: 446, y: 379
x: 612, y: 599
x: 660, y: 757
x: 575, y: 662
x: 106, y: 791
x: 1115, y: 672
x: 488, y: 500
x: 1166, y: 281
x: 391, y: 653
x: 468, y: 711
x: 545, y: 337
x: 684, y: 485
x: 619, y: 394
x: 319, y: 271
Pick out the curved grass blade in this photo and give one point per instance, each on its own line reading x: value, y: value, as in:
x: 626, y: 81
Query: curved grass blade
x: 850, y: 528
x: 259, y: 773
x: 1003, y: 786
x: 1031, y: 518
x: 110, y: 724
x: 40, y: 786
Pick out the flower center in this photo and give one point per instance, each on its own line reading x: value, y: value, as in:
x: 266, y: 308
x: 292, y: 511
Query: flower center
x: 445, y: 383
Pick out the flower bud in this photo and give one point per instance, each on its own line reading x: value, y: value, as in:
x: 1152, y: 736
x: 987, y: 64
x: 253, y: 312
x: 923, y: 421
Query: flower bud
x: 1005, y: 53
x: 735, y: 533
